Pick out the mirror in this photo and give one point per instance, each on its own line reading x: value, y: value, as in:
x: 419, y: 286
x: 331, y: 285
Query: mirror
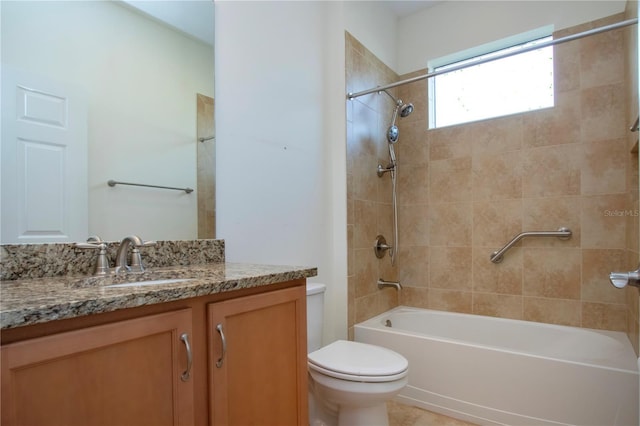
x: 135, y: 81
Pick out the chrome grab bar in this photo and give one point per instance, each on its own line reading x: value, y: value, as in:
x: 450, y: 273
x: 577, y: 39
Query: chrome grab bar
x: 562, y: 233
x: 113, y: 183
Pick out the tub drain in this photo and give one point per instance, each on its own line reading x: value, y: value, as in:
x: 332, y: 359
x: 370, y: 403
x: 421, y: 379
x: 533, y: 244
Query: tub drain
x: 387, y: 323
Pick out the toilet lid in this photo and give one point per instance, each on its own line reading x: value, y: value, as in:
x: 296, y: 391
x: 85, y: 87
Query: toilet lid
x: 359, y: 362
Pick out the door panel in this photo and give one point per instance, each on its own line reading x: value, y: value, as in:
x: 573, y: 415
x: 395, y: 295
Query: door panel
x: 44, y: 160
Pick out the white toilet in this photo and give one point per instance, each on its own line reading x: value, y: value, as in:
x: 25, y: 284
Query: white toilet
x: 349, y: 382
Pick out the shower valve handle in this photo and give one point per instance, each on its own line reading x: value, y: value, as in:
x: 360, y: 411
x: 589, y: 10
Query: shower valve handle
x: 381, y: 246
x: 622, y: 279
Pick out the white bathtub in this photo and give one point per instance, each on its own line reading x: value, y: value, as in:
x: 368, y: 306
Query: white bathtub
x: 498, y: 371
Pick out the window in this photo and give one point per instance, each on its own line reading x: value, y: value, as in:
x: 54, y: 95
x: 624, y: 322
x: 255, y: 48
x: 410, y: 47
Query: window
x: 518, y: 83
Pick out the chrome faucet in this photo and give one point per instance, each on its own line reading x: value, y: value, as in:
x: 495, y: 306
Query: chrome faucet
x: 622, y: 279
x: 382, y: 283
x: 136, y: 260
x: 101, y: 267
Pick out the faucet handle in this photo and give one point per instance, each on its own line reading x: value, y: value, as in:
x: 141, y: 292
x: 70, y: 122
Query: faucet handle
x: 622, y: 279
x: 101, y: 266
x: 136, y: 259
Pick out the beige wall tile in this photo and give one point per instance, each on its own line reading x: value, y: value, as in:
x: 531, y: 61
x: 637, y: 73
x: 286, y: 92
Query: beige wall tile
x: 417, y: 297
x: 495, y: 223
x: 566, y: 69
x: 604, y: 168
x: 414, y: 266
x: 497, y: 305
x: 366, y: 307
x: 466, y: 190
x: 604, y: 316
x: 551, y: 214
x: 603, y: 112
x: 450, y: 300
x: 602, y: 222
x: 450, y: 180
x: 499, y: 135
x: 497, y: 176
x: 552, y: 171
x: 597, y: 264
x: 451, y: 142
x: 413, y: 225
x: 553, y: 311
x: 450, y: 268
x: 366, y: 276
x: 552, y: 272
x: 412, y: 147
x: 365, y: 227
x: 553, y: 126
x: 602, y: 59
x: 504, y: 277
x: 450, y: 224
x: 413, y: 184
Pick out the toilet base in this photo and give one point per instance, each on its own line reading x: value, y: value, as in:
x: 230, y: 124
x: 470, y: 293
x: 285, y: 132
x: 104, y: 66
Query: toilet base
x: 363, y: 416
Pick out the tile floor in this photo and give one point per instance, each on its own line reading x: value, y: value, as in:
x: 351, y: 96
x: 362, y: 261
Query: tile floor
x: 404, y: 415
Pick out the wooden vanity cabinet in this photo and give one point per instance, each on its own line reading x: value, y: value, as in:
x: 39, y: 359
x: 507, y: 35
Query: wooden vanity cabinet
x: 125, y: 368
x: 124, y: 373
x: 258, y: 360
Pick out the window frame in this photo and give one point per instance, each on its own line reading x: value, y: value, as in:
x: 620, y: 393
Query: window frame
x: 496, y: 48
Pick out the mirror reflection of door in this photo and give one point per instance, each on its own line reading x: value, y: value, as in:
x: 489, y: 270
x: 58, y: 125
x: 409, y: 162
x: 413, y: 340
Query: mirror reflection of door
x: 206, y: 168
x: 44, y: 160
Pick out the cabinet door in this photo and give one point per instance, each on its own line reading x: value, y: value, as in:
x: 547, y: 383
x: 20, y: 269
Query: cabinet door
x: 125, y: 373
x: 258, y: 376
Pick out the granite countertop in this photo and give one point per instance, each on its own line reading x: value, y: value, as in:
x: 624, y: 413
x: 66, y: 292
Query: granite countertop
x: 40, y: 300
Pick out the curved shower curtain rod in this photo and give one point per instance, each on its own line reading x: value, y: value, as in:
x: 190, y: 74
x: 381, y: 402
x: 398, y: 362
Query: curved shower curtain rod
x: 594, y: 31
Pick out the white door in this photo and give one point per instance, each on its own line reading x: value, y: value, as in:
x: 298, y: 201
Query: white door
x: 44, y: 161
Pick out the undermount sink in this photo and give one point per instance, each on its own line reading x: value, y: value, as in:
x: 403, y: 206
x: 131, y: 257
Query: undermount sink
x: 150, y: 282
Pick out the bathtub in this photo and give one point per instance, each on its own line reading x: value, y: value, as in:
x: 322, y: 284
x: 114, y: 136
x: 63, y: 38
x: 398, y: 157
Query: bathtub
x: 494, y: 371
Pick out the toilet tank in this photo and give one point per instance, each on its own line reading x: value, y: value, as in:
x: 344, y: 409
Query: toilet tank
x: 315, y: 315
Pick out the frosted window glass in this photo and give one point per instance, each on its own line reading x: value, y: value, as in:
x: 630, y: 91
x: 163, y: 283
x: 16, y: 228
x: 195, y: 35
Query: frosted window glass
x: 519, y: 83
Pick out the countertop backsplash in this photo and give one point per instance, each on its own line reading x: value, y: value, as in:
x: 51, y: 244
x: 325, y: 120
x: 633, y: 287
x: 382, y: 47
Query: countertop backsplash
x: 26, y: 261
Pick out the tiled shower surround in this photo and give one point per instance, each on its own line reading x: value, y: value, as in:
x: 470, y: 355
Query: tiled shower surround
x: 464, y: 191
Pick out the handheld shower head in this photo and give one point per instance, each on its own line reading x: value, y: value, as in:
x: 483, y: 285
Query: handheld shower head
x: 392, y: 134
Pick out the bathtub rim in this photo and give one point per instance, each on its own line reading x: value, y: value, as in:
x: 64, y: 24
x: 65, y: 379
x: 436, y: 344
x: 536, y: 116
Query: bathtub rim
x: 376, y: 323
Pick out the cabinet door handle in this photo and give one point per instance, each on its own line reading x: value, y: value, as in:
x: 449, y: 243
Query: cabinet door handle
x: 224, y: 346
x: 187, y: 374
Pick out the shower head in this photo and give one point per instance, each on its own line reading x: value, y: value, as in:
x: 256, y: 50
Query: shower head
x: 406, y: 110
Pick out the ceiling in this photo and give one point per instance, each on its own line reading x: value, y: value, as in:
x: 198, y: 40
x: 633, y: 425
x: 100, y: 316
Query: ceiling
x: 193, y: 17
x: 402, y: 8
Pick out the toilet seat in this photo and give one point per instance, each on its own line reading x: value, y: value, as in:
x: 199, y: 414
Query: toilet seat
x: 358, y: 362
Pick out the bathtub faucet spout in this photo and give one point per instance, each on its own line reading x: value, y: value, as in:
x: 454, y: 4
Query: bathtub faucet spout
x: 382, y: 283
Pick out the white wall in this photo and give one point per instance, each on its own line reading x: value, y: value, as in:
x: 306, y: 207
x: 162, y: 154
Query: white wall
x: 375, y: 27
x: 142, y: 114
x: 452, y: 26
x: 280, y: 119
